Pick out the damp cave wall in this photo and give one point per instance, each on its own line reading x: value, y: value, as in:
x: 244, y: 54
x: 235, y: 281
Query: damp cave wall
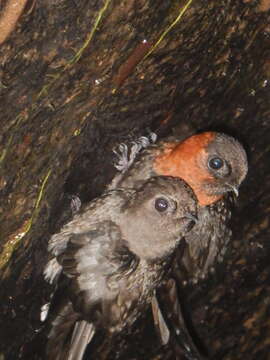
x: 78, y: 78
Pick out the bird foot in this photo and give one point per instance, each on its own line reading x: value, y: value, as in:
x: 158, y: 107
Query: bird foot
x: 127, y: 156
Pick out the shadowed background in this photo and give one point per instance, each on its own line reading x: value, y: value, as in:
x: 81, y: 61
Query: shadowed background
x: 78, y: 78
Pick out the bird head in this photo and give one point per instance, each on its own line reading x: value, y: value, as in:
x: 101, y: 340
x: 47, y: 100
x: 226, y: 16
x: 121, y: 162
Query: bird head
x: 211, y: 163
x: 160, y: 213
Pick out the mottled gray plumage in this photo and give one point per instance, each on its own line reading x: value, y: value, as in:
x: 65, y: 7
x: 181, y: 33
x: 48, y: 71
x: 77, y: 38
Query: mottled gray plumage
x: 110, y: 258
x: 205, y: 245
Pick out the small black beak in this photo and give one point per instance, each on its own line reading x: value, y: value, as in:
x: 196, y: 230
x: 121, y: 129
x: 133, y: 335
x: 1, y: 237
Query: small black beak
x: 192, y: 221
x: 234, y: 189
x: 192, y: 217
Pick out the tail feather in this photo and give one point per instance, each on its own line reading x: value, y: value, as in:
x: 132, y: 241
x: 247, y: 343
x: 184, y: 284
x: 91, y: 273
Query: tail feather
x: 175, y: 324
x: 60, y: 332
x: 68, y: 335
x: 82, y: 335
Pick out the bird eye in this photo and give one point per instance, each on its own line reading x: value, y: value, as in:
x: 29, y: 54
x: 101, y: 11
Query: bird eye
x: 216, y: 163
x: 161, y: 204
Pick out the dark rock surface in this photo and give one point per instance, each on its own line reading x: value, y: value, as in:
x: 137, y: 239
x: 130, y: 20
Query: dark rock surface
x: 77, y: 78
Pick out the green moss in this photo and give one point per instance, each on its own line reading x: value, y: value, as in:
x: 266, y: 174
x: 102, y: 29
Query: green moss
x: 169, y: 28
x: 14, y: 240
x: 78, y: 55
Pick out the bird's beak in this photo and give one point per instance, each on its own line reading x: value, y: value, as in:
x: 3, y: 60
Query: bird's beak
x: 192, y: 221
x: 234, y: 189
x: 192, y: 217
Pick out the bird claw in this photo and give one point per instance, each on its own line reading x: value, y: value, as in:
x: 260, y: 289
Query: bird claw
x: 122, y: 155
x: 75, y: 204
x: 127, y: 156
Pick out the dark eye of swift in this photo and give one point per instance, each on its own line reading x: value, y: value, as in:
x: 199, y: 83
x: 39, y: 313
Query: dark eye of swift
x: 161, y: 204
x: 216, y: 163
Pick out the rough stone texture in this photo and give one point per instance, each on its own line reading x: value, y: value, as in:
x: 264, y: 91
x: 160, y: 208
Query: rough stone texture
x: 77, y: 79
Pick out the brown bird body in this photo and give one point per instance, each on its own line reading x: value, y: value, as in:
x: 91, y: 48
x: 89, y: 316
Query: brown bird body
x: 110, y: 258
x: 189, y: 160
x: 214, y: 165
